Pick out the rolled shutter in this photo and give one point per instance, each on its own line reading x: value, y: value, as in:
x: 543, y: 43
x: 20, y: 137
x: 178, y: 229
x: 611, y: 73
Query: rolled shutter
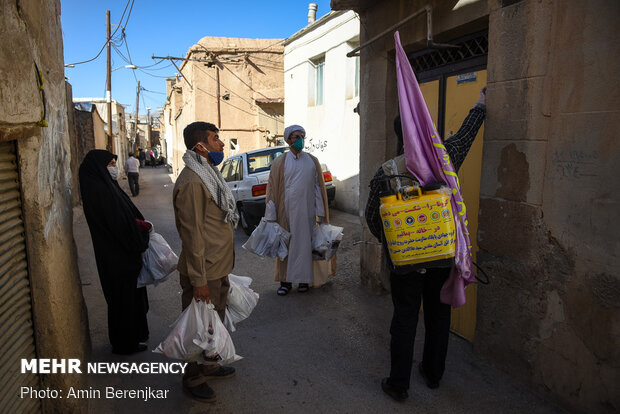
x: 16, y: 326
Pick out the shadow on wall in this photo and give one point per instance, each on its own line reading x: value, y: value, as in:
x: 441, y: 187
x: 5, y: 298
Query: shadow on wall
x: 347, y: 194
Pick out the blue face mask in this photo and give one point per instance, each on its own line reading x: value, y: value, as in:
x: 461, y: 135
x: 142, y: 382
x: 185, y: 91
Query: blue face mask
x: 216, y: 157
x: 299, y: 144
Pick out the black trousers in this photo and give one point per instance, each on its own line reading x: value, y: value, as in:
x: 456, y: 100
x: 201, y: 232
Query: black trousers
x: 134, y: 185
x: 408, y: 291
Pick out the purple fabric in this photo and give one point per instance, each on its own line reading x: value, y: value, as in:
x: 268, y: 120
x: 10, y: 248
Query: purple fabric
x: 428, y: 160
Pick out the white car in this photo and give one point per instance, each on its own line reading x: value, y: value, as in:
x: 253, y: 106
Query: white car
x: 247, y: 175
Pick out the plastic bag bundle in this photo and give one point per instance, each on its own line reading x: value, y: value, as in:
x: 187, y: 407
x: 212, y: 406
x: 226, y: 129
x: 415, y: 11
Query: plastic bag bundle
x: 241, y: 299
x: 268, y: 239
x: 325, y: 241
x: 228, y: 322
x: 158, y: 261
x: 198, y: 335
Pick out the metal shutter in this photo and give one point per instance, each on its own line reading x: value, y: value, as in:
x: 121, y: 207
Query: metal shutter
x: 16, y: 330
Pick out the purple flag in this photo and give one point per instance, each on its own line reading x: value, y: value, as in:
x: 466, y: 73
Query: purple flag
x: 428, y: 160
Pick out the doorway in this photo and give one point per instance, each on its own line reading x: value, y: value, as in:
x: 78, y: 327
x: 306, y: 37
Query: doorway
x: 451, y: 87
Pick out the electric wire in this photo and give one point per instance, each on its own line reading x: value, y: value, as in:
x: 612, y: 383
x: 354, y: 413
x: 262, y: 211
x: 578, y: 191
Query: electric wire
x: 226, y: 102
x: 250, y: 101
x: 106, y: 42
x: 224, y: 86
x: 149, y: 91
x: 155, y: 76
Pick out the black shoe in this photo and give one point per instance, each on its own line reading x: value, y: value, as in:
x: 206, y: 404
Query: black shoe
x: 395, y: 394
x: 219, y: 372
x: 429, y: 383
x: 202, y: 392
x: 303, y: 287
x: 124, y: 351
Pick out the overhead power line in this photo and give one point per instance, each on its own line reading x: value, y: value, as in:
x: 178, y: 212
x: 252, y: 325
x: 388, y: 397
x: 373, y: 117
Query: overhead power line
x: 111, y: 36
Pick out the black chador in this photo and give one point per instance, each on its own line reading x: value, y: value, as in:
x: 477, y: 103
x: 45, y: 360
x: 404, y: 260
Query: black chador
x: 118, y: 243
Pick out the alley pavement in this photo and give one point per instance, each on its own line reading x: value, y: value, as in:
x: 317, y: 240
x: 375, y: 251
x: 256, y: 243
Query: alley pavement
x: 324, y: 351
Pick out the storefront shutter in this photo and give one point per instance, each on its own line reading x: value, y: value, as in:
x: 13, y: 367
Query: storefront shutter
x: 16, y: 326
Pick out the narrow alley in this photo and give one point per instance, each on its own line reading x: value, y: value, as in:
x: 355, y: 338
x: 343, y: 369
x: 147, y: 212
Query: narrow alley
x: 320, y: 352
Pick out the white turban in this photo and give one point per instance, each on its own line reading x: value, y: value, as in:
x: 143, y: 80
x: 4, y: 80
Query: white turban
x: 292, y: 128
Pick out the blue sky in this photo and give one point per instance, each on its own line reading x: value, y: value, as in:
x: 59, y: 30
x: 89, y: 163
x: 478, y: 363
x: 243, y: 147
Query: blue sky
x: 162, y: 28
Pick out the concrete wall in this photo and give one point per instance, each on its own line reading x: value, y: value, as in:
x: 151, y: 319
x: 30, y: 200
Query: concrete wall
x: 99, y: 125
x: 249, y: 70
x: 551, y: 315
x: 548, y: 220
x: 332, y: 129
x: 30, y: 32
x: 74, y: 142
x: 91, y: 134
x: 120, y: 138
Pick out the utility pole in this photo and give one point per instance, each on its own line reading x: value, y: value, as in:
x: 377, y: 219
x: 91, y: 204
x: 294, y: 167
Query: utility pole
x: 109, y: 83
x: 148, y: 127
x: 136, y: 141
x: 219, y: 114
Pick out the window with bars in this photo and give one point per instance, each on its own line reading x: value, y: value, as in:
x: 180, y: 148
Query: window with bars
x: 470, y: 48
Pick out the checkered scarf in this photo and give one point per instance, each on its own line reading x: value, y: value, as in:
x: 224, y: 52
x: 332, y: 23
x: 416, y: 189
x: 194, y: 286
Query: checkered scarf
x: 213, y: 180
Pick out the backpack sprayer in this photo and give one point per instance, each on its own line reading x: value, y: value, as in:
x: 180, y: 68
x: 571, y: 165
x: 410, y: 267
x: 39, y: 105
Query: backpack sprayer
x: 418, y: 224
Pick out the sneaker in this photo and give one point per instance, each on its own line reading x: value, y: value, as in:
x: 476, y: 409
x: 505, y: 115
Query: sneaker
x: 392, y: 392
x: 303, y: 287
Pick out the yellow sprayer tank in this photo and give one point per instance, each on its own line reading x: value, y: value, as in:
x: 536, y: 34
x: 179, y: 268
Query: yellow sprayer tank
x: 418, y: 229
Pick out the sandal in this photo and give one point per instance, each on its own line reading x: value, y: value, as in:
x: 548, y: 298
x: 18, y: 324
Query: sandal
x: 284, y: 288
x: 303, y: 287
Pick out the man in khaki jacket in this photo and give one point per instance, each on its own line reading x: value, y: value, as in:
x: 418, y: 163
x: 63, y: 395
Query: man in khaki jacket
x: 205, y: 216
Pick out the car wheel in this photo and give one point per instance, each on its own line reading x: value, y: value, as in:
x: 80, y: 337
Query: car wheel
x: 245, y: 223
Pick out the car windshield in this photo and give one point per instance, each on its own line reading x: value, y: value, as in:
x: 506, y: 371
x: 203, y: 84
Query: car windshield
x: 261, y: 161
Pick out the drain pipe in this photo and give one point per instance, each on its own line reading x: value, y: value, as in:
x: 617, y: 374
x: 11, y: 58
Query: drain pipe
x: 429, y: 32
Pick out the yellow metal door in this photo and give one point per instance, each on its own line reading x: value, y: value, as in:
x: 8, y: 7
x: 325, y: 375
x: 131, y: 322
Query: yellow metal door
x: 461, y: 93
x: 430, y: 90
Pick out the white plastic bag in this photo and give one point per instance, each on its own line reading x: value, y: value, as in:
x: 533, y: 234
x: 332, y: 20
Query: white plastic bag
x: 228, y: 322
x: 320, y: 243
x: 268, y: 239
x: 158, y: 261
x: 241, y: 299
x: 198, y: 335
x: 325, y: 241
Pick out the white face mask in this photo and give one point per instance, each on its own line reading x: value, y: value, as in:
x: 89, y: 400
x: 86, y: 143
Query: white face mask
x: 113, y: 172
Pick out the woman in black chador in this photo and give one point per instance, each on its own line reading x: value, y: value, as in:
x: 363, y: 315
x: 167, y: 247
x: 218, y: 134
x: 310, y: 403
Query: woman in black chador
x: 119, y: 236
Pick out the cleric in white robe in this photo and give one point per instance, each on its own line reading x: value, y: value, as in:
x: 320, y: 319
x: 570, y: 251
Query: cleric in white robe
x: 296, y: 199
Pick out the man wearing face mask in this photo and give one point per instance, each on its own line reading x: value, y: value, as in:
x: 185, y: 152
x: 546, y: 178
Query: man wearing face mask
x: 296, y: 199
x: 206, y: 217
